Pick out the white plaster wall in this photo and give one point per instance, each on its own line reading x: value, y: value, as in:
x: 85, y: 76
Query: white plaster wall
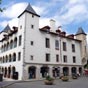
x: 69, y: 52
x: 38, y: 50
x: 18, y: 64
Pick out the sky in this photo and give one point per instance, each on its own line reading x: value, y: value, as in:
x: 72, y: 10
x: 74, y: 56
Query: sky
x: 69, y: 14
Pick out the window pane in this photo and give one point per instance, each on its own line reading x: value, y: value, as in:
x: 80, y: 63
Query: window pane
x: 74, y: 59
x: 19, y: 56
x: 47, y: 57
x: 73, y: 48
x: 20, y: 39
x: 47, y: 43
x: 57, y: 58
x: 64, y: 58
x: 64, y: 46
x: 57, y: 44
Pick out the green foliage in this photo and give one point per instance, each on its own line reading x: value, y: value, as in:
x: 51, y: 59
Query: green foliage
x: 0, y: 1
x: 1, y: 9
x: 49, y: 78
x: 86, y: 66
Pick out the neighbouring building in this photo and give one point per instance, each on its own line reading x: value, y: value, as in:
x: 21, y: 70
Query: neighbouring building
x: 30, y: 52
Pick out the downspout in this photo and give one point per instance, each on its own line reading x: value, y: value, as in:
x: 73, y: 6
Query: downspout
x: 60, y: 56
x: 23, y: 78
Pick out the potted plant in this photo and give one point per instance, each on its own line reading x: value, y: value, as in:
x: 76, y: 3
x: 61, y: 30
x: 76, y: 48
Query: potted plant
x: 65, y: 78
x: 49, y: 80
x: 74, y: 76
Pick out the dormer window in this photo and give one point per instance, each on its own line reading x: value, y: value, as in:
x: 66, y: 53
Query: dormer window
x: 32, y: 26
x: 32, y: 16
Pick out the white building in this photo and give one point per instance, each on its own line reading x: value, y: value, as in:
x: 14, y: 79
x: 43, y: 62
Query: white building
x: 31, y: 53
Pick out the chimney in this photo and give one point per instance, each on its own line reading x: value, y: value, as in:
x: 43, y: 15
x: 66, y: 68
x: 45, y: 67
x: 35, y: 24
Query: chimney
x: 52, y: 24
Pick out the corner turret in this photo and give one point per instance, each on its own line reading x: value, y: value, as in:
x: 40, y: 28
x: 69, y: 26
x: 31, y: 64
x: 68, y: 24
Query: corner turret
x: 81, y: 35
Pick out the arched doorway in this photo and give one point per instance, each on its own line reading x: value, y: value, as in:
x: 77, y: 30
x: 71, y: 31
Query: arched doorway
x: 9, y: 72
x: 32, y: 72
x: 56, y: 71
x: 13, y: 72
x: 0, y: 69
x: 74, y: 70
x: 13, y: 69
x: 80, y: 70
x: 65, y: 71
x: 5, y: 72
x: 44, y: 70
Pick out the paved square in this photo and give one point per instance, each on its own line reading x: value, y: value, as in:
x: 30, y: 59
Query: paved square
x: 81, y: 82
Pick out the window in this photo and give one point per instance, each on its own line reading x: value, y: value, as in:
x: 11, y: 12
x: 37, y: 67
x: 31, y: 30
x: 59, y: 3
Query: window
x: 15, y: 42
x: 47, y: 57
x: 32, y: 43
x: 57, y: 58
x: 73, y: 48
x: 64, y: 46
x: 8, y: 46
x: 64, y: 58
x: 32, y: 16
x: 3, y: 59
x: 57, y: 44
x: 20, y: 39
x: 85, y: 49
x: 32, y: 26
x: 10, y: 58
x: 0, y: 59
x: 14, y: 57
x: 74, y: 59
x: 47, y: 43
x: 31, y: 57
x: 2, y: 48
x: 19, y: 56
x: 20, y: 26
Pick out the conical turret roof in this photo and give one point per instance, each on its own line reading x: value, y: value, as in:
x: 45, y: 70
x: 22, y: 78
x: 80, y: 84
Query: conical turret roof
x: 29, y: 9
x: 7, y: 29
x: 80, y: 31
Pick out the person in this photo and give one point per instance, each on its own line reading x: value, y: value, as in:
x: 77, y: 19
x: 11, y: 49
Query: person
x: 78, y: 74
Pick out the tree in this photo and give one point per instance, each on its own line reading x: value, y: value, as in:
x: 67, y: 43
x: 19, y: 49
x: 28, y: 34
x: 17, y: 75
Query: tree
x: 1, y: 9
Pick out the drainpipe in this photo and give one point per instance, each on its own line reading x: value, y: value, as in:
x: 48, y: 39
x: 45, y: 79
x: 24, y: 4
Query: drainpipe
x: 60, y: 50
x: 60, y: 56
x: 23, y: 69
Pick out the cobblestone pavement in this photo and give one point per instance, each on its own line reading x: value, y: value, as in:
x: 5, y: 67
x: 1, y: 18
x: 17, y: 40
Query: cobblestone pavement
x: 81, y: 82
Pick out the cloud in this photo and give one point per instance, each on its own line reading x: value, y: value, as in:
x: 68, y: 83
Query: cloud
x: 39, y: 10
x: 74, y: 11
x: 65, y: 13
x: 43, y: 22
x: 13, y: 22
x: 14, y: 10
x: 3, y: 24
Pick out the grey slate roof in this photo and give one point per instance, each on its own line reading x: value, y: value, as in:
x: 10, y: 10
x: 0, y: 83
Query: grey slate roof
x: 80, y: 31
x: 7, y: 29
x: 29, y: 9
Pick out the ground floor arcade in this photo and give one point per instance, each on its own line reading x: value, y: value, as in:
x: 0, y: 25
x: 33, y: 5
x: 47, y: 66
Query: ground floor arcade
x: 40, y: 71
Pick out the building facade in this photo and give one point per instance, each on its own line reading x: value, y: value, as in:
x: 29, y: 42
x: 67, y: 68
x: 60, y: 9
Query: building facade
x: 30, y: 52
